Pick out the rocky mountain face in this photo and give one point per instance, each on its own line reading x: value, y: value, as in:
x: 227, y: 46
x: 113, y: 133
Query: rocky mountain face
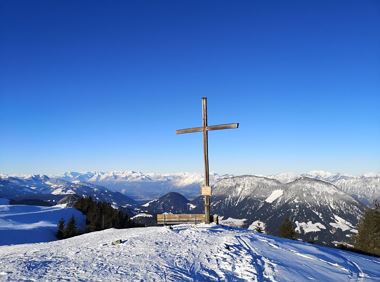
x: 365, y: 188
x: 52, y: 190
x: 320, y: 210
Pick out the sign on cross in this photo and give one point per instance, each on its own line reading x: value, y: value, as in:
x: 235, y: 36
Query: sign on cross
x: 206, y: 189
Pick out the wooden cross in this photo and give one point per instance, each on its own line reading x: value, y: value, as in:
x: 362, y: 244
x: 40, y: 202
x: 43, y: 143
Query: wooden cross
x: 206, y: 189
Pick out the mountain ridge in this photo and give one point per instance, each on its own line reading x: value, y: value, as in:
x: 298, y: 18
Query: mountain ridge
x: 147, y: 186
x: 321, y: 211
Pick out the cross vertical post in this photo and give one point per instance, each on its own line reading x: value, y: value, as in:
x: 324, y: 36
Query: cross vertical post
x: 205, y: 155
x: 206, y: 189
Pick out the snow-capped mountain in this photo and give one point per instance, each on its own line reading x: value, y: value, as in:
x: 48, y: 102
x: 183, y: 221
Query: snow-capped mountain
x: 54, y: 189
x: 287, y: 177
x: 365, y: 188
x: 143, y: 186
x: 147, y: 186
x: 320, y: 210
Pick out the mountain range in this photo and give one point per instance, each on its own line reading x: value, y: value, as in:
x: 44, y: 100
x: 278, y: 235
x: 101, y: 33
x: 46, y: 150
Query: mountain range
x: 147, y: 186
x: 43, y: 190
x: 142, y: 186
x: 325, y: 207
x: 321, y: 212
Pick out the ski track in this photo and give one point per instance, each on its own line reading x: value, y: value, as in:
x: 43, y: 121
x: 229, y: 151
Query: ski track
x: 182, y: 253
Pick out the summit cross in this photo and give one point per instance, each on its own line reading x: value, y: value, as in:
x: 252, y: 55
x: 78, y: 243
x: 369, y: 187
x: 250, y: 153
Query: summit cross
x: 205, y: 128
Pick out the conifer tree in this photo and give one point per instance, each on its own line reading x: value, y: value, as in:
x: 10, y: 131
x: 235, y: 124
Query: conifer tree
x: 368, y: 237
x: 71, y: 228
x: 61, y: 229
x: 287, y: 229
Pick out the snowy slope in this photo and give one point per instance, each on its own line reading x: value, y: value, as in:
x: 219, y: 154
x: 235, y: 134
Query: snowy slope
x: 30, y: 224
x: 186, y: 253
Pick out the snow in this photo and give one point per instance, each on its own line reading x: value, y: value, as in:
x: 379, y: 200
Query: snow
x: 31, y: 224
x: 183, y: 253
x: 274, y: 196
x: 4, y: 201
x: 142, y: 215
x: 191, y: 206
x: 342, y: 224
x: 372, y: 174
x: 60, y: 191
x: 285, y: 177
x: 148, y: 203
x: 257, y: 224
x: 234, y: 222
x: 319, y: 173
x: 309, y: 227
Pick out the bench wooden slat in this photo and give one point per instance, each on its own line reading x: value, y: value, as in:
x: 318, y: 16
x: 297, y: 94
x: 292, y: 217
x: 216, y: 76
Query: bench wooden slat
x: 179, y: 218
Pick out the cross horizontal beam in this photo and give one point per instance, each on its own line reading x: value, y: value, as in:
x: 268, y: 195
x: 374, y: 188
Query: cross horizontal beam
x: 208, y: 128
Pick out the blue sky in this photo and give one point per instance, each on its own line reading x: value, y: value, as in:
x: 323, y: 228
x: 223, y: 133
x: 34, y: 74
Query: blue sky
x: 103, y: 85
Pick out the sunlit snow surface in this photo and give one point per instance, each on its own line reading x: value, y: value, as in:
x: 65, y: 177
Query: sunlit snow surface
x: 184, y: 253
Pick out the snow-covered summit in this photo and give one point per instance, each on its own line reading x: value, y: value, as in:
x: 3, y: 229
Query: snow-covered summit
x: 245, y: 186
x: 183, y: 253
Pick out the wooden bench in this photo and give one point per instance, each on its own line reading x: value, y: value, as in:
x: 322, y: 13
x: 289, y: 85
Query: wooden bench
x: 170, y: 219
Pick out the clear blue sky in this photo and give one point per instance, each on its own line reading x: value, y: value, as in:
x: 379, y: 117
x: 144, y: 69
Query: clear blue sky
x: 103, y: 85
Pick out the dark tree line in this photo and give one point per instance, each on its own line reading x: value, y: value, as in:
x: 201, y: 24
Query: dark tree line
x: 287, y: 229
x: 367, y: 241
x: 99, y: 216
x: 67, y: 230
x: 368, y: 238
